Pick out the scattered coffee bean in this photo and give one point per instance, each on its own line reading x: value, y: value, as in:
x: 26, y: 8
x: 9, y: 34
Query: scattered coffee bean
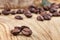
x: 46, y: 16
x: 33, y: 9
x: 52, y: 10
x: 20, y: 11
x: 4, y: 12
x: 53, y: 5
x: 15, y: 31
x: 26, y: 31
x: 40, y: 18
x: 46, y: 8
x: 18, y: 17
x: 56, y: 14
x: 28, y: 14
x: 13, y: 12
x: 39, y: 10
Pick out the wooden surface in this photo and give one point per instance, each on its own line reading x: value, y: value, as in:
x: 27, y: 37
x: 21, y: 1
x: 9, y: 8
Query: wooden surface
x: 46, y: 30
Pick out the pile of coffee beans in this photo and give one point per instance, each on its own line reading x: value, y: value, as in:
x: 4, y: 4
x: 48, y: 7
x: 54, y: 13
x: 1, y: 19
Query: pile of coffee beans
x: 23, y: 30
x: 45, y: 12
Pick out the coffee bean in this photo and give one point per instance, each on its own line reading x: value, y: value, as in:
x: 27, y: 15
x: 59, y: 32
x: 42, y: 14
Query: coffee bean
x: 46, y: 16
x: 46, y: 8
x: 4, y: 12
x: 52, y: 10
x: 28, y: 14
x: 56, y: 14
x: 20, y: 11
x: 33, y: 9
x: 15, y: 31
x: 53, y: 5
x: 40, y: 18
x: 13, y: 12
x: 18, y: 17
x: 26, y: 31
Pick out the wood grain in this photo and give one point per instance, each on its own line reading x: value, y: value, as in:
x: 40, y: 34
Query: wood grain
x: 46, y: 30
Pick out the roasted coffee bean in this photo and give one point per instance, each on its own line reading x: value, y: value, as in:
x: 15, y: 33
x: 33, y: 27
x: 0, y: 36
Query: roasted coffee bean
x: 15, y: 31
x: 40, y: 18
x: 20, y: 11
x: 46, y: 8
x: 46, y: 16
x: 33, y: 9
x: 13, y: 12
x: 26, y: 31
x: 18, y: 17
x: 50, y: 14
x: 40, y: 9
x: 53, y: 5
x: 56, y: 14
x: 4, y: 12
x: 28, y: 14
x: 52, y: 10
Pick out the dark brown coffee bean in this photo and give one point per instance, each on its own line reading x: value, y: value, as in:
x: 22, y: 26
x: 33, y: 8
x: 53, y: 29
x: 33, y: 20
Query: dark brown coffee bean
x: 28, y: 14
x: 13, y: 12
x: 54, y: 5
x: 50, y: 14
x: 20, y: 11
x: 15, y: 31
x: 39, y: 10
x: 56, y: 14
x: 26, y: 31
x: 46, y: 8
x: 33, y: 9
x: 46, y: 16
x: 40, y: 18
x: 4, y: 12
x: 52, y: 10
x: 18, y: 17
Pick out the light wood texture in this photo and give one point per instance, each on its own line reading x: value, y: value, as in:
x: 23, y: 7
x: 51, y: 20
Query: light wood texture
x: 46, y: 30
